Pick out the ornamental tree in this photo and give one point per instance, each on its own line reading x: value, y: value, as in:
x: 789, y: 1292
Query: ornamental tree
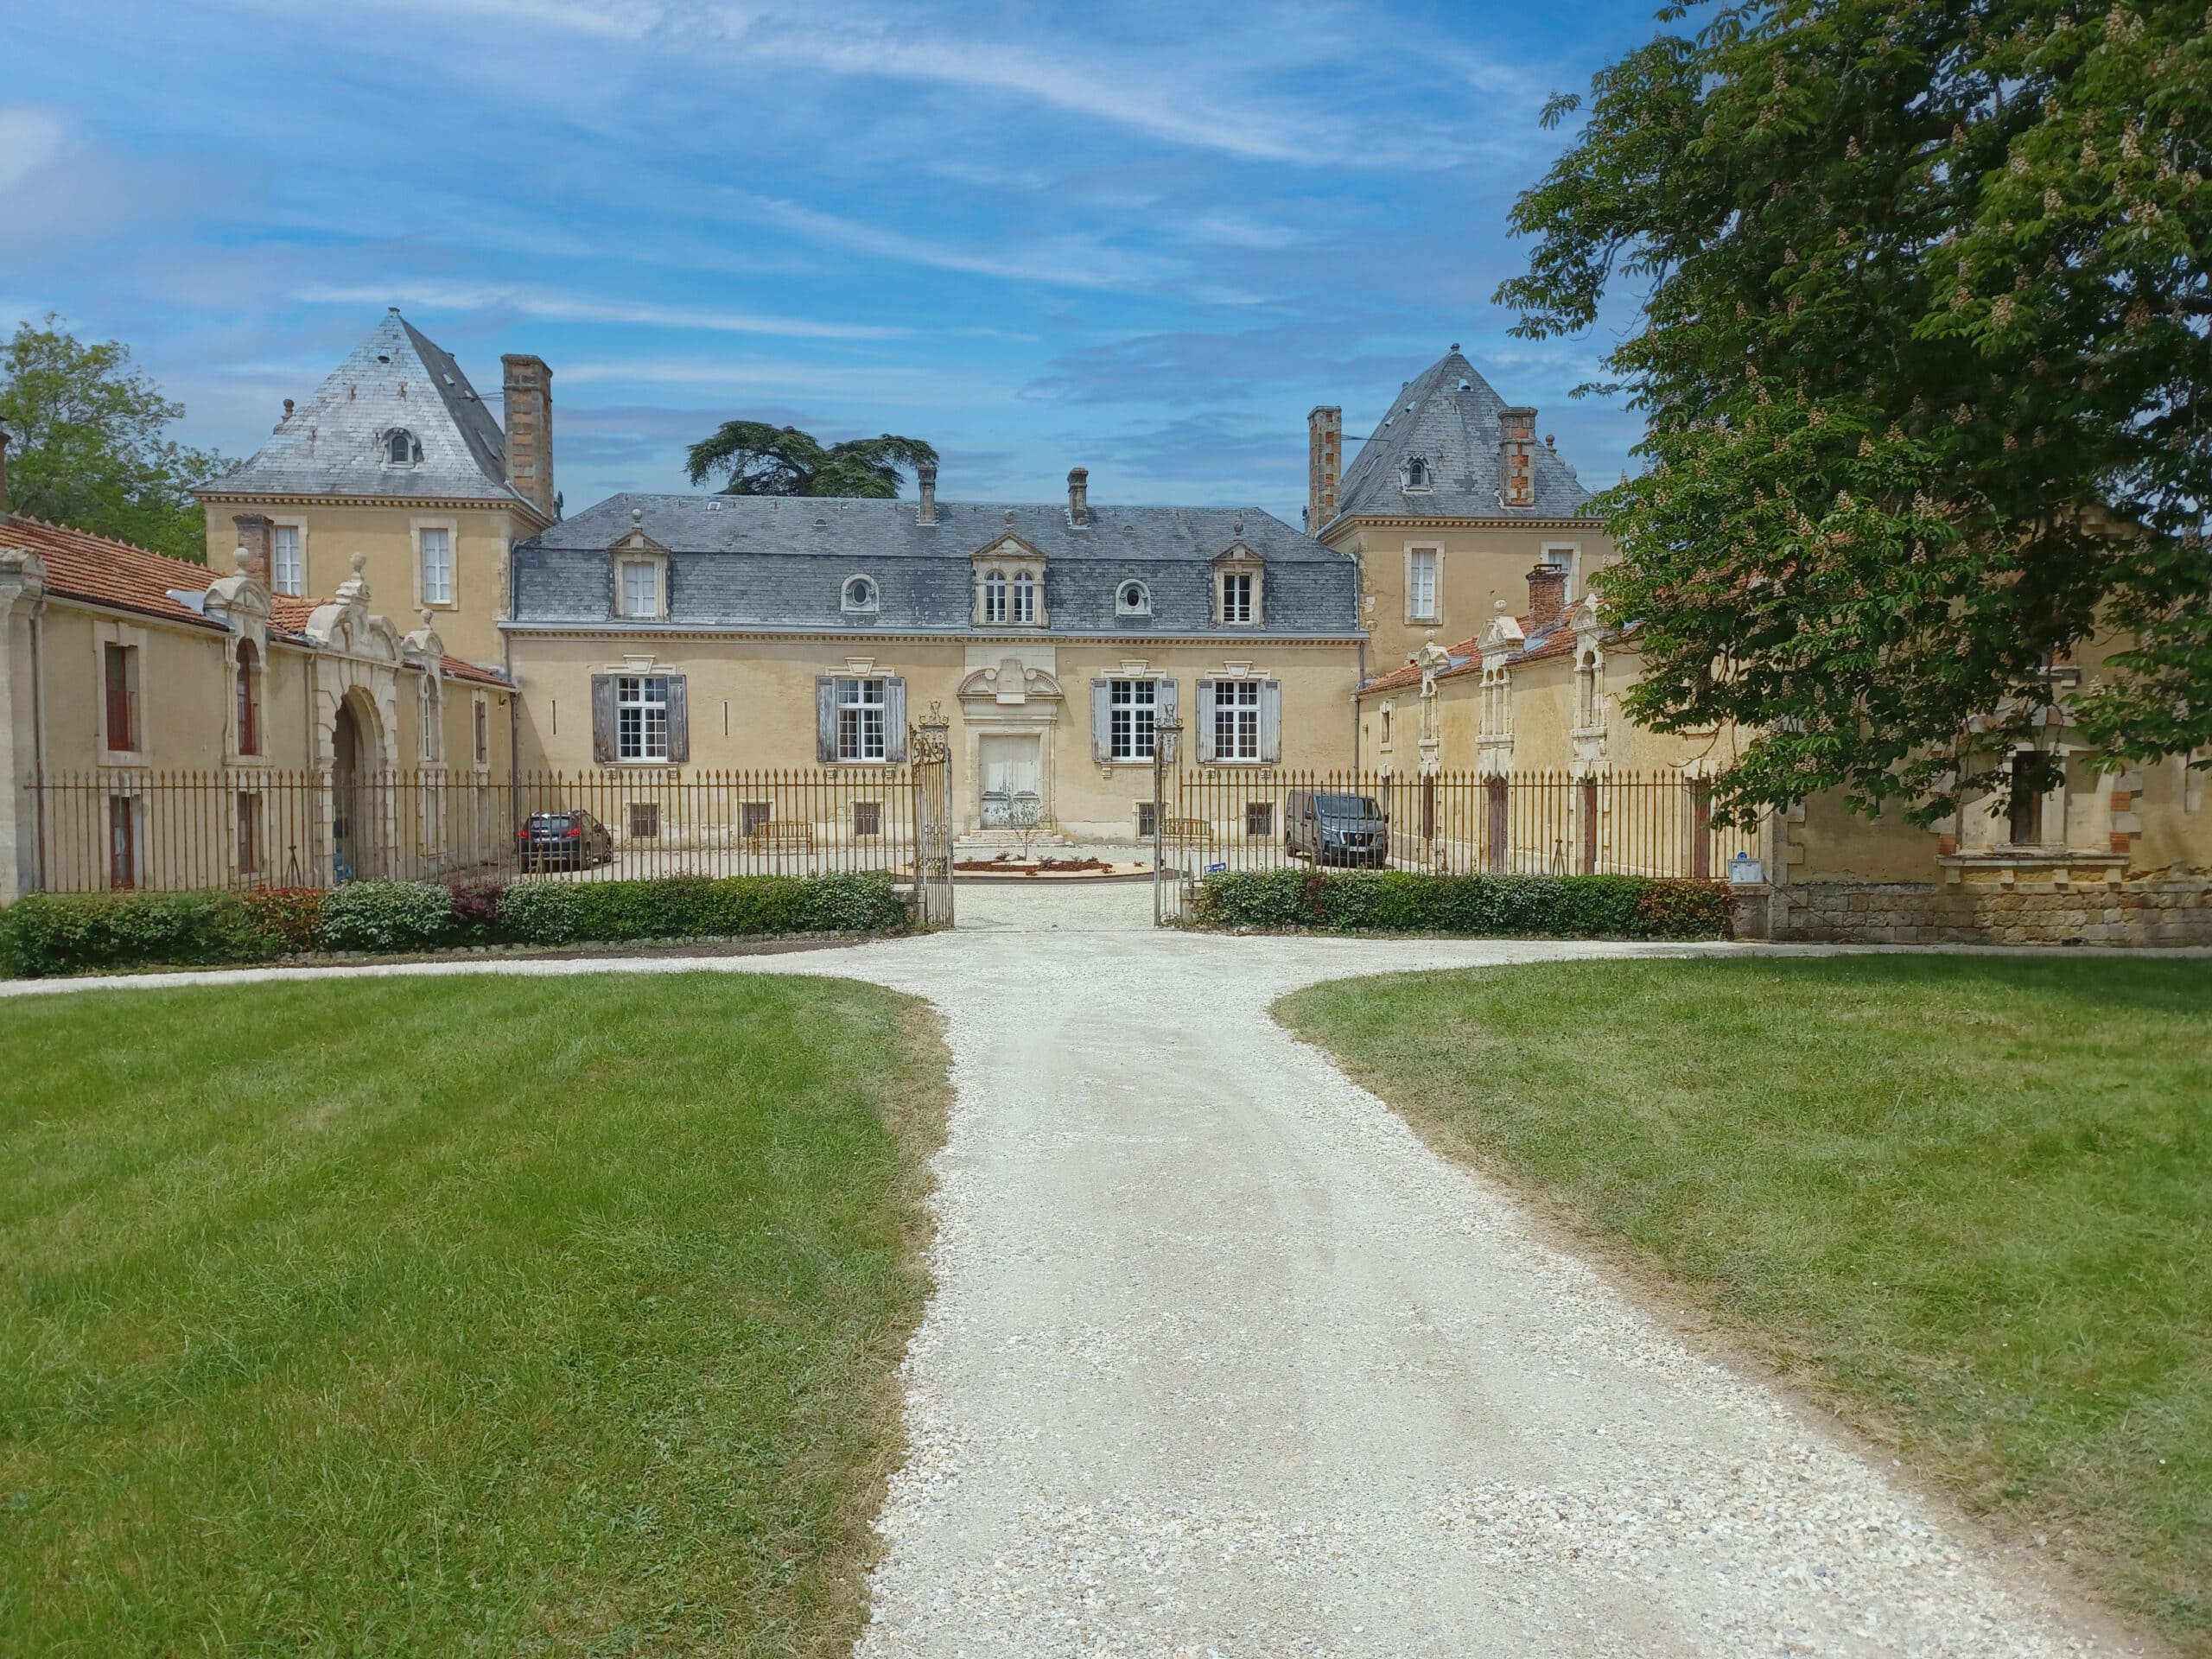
x: 757, y: 458
x: 1921, y: 339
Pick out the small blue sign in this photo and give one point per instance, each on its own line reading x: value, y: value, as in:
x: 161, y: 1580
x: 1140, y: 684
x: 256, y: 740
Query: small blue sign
x: 1216, y: 869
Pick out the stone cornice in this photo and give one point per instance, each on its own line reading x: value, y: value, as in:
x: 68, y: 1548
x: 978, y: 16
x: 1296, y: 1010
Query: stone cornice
x: 1225, y: 640
x: 215, y: 495
x: 1409, y: 522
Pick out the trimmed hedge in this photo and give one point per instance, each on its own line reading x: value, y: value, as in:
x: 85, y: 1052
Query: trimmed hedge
x: 1477, y: 906
x: 45, y: 934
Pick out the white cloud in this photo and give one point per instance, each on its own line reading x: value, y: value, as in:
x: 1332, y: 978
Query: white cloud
x: 569, y: 307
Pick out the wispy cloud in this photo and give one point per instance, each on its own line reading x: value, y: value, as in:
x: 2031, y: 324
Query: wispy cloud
x: 572, y: 308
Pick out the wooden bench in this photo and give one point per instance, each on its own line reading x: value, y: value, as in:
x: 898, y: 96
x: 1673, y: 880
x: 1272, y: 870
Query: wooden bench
x: 780, y: 835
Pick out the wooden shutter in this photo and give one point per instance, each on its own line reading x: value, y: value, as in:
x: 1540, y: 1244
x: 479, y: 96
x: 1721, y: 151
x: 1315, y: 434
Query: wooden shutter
x: 894, y: 720
x: 1163, y: 699
x: 602, y: 719
x: 679, y: 722
x: 1202, y: 737
x: 1102, y: 721
x: 1271, y: 721
x: 825, y: 718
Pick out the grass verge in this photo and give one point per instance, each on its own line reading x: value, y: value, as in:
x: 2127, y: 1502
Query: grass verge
x: 1967, y: 1199
x: 483, y: 1315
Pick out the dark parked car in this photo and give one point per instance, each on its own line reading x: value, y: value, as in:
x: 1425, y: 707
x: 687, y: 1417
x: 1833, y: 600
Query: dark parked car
x: 1331, y: 829
x: 563, y: 841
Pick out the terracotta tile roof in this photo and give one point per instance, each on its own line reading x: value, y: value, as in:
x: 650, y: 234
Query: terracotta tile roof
x: 290, y: 612
x: 477, y: 673
x: 1467, y: 659
x: 1409, y: 675
x: 101, y: 571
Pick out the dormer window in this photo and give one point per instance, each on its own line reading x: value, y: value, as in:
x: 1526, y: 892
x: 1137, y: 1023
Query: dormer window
x: 859, y: 595
x: 1238, y: 596
x: 400, y: 449
x: 1133, y: 599
x: 640, y: 589
x: 1009, y: 584
x: 1025, y: 600
x: 995, y: 597
x: 1416, y: 473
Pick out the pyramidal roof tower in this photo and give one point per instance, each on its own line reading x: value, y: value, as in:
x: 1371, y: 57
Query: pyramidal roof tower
x: 397, y: 418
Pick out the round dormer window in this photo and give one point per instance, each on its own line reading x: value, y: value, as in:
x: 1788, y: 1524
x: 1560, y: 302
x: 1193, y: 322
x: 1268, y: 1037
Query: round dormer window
x: 400, y: 449
x: 1133, y: 599
x: 860, y: 593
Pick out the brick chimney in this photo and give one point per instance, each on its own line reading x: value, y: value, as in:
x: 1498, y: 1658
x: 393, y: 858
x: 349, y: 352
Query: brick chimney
x: 257, y: 531
x: 1079, y: 496
x: 1325, y: 449
x: 1547, y: 597
x: 529, y: 420
x: 926, y: 481
x: 1516, y: 444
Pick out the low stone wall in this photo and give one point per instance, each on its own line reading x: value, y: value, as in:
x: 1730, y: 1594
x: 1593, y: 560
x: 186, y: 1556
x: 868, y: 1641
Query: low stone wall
x: 2174, y: 911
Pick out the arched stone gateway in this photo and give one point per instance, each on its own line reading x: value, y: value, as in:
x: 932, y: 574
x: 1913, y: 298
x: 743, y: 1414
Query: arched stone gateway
x: 356, y: 699
x: 357, y: 808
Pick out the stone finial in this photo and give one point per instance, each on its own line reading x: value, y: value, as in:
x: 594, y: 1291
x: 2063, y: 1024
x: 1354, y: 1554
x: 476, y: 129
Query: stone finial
x: 637, y: 516
x: 428, y: 619
x: 241, y: 561
x: 359, y: 563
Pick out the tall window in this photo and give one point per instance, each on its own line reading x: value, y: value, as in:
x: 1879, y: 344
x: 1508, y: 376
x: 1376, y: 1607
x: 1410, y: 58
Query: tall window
x: 288, y: 571
x: 122, y: 707
x: 2024, y: 819
x: 1420, y: 584
x: 1237, y: 720
x: 1585, y: 691
x: 995, y: 597
x: 249, y: 698
x: 122, y: 841
x: 437, y: 565
x: 1236, y: 596
x: 249, y: 833
x: 1416, y: 473
x: 641, y: 717
x: 431, y: 722
x: 861, y: 715
x: 1132, y: 706
x: 640, y: 589
x: 1025, y: 598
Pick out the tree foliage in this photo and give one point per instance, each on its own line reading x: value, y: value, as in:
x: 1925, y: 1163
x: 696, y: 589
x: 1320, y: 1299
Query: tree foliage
x: 1923, y: 345
x: 756, y: 459
x: 90, y: 449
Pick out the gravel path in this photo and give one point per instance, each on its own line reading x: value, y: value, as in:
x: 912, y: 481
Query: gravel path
x: 1223, y: 1361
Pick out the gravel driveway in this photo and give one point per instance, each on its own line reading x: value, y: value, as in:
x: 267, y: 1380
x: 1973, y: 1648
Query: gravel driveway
x: 1223, y: 1360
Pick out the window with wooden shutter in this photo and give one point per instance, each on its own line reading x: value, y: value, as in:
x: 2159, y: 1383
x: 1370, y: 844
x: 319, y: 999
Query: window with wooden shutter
x: 1202, y: 731
x: 894, y: 720
x: 1271, y: 721
x: 122, y: 728
x: 602, y: 719
x: 826, y: 719
x: 679, y: 719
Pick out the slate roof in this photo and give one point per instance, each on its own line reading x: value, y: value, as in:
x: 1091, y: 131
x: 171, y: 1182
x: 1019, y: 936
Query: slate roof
x: 1448, y: 416
x: 332, y: 444
x: 781, y: 562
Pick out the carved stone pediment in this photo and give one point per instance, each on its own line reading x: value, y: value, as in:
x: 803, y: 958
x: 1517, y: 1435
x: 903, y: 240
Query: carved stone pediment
x: 1010, y: 684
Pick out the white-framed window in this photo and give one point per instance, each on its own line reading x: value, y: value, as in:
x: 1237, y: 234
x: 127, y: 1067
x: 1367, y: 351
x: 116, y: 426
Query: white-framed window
x: 1132, y: 709
x: 437, y: 542
x: 641, y: 717
x: 860, y: 593
x: 640, y: 589
x: 1025, y: 598
x: 1421, y: 563
x: 400, y: 449
x: 1237, y: 720
x: 433, y: 724
x: 1237, y: 588
x: 995, y: 597
x: 1416, y: 473
x: 288, y: 565
x: 1133, y: 599
x: 1564, y: 556
x: 862, y: 706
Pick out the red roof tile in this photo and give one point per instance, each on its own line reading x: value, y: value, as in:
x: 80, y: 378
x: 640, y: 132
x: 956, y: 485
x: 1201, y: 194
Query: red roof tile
x: 458, y: 669
x: 80, y: 565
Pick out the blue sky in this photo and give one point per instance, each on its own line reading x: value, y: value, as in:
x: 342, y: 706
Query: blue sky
x: 1143, y: 238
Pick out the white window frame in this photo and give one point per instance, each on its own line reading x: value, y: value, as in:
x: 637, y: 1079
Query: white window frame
x: 1022, y: 606
x: 426, y: 592
x: 1572, y: 563
x: 996, y: 588
x: 868, y: 605
x: 625, y: 575
x: 1132, y: 718
x: 433, y: 720
x: 1237, y: 720
x: 641, y: 717
x: 414, y: 455
x: 1415, y: 612
x: 860, y: 738
x: 297, y: 529
x: 1143, y: 605
x: 1245, y: 585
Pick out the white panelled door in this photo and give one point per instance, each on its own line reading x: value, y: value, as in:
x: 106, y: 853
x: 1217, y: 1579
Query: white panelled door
x: 1013, y: 779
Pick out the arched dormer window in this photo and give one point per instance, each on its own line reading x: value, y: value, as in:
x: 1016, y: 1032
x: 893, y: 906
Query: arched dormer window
x: 1416, y: 473
x: 400, y: 449
x: 249, y: 698
x: 995, y: 597
x: 859, y: 595
x: 1133, y: 599
x: 1025, y: 598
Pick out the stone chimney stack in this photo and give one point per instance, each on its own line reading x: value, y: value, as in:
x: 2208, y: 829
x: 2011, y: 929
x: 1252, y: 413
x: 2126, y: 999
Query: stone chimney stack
x: 1325, y: 452
x: 1517, y: 443
x: 257, y: 531
x: 1079, y: 496
x: 3, y: 472
x: 529, y: 430
x: 1547, y: 597
x: 926, y: 481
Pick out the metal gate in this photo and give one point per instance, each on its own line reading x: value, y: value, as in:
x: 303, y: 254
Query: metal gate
x: 930, y: 778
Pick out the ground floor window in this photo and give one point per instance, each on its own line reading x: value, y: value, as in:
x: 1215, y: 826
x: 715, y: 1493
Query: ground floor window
x: 1148, y: 819
x: 1237, y: 720
x: 249, y: 833
x: 641, y: 716
x: 644, y: 820
x: 1132, y: 711
x: 1259, y: 817
x: 122, y: 841
x: 860, y: 720
x: 868, y: 819
x: 752, y: 816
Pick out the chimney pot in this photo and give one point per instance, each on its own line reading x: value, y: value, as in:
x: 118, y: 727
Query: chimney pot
x: 1079, y: 496
x: 257, y: 531
x: 1546, y: 596
x: 926, y: 483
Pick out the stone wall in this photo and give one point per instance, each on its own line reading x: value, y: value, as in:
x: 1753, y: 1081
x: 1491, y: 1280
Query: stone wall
x: 2174, y: 911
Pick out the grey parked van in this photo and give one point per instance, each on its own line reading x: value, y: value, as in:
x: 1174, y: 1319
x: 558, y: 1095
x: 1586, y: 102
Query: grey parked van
x: 1332, y: 828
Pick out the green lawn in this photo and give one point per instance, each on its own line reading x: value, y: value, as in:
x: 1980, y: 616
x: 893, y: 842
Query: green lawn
x: 440, y: 1316
x: 1969, y: 1200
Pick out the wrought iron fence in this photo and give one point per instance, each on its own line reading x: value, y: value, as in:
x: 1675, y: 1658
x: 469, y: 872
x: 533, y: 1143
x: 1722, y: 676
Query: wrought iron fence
x: 254, y: 828
x: 1657, y: 823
